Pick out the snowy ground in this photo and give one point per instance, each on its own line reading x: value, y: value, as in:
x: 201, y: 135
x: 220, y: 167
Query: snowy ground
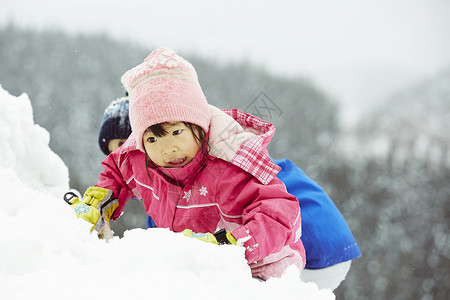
x: 47, y: 253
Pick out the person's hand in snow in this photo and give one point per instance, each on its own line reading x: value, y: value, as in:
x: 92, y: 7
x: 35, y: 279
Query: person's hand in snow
x: 97, y: 206
x: 220, y: 237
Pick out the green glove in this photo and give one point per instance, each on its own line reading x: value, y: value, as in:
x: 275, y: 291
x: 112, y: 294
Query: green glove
x: 97, y: 207
x: 219, y: 237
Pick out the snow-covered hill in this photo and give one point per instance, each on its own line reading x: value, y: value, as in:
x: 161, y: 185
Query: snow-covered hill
x: 47, y: 253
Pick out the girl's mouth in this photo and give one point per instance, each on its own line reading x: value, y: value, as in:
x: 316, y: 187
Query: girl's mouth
x: 177, y: 161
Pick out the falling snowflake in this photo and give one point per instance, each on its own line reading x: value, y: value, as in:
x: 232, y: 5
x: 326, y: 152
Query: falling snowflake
x: 203, y: 191
x: 187, y: 196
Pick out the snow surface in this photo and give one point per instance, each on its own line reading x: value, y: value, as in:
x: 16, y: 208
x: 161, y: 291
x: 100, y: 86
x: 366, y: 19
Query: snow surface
x: 47, y: 253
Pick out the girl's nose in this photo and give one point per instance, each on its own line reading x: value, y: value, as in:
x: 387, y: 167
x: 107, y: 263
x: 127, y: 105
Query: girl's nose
x: 169, y: 149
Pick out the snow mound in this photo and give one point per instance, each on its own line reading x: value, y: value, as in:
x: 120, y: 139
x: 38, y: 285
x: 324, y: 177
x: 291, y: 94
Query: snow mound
x: 47, y: 253
x: 25, y: 147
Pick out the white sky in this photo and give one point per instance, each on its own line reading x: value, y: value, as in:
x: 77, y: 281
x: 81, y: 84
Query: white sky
x: 358, y: 51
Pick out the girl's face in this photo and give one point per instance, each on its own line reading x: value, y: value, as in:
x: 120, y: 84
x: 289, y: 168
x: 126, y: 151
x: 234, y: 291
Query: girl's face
x: 174, y: 150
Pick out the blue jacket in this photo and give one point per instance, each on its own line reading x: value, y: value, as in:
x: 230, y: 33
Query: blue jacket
x: 325, y: 234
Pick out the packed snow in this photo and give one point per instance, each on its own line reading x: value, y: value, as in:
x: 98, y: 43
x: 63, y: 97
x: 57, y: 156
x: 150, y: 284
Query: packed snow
x: 47, y: 253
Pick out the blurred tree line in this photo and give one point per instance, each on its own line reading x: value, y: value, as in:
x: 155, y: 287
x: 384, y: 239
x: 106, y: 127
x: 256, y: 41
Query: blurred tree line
x: 389, y: 176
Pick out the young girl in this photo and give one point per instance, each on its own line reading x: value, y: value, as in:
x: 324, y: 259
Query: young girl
x: 200, y: 170
x: 328, y: 241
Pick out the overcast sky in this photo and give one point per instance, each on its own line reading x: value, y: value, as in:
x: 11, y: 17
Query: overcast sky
x: 359, y: 51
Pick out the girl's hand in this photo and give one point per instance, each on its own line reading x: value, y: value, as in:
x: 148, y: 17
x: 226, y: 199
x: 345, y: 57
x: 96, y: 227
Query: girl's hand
x: 220, y: 237
x: 97, y: 206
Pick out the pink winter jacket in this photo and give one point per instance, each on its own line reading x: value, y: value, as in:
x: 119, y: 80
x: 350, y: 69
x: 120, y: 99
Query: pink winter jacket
x: 234, y: 187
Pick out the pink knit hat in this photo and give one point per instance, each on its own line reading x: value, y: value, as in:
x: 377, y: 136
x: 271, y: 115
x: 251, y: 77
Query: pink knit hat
x: 164, y: 88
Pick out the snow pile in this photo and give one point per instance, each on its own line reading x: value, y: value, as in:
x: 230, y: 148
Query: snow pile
x: 25, y: 148
x: 47, y: 253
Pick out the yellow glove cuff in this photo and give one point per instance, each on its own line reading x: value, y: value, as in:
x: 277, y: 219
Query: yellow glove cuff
x: 219, y: 238
x: 231, y: 238
x: 206, y: 237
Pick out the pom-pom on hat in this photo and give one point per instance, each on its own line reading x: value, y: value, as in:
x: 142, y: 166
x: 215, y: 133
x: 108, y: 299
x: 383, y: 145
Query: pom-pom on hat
x: 115, y: 123
x: 164, y: 88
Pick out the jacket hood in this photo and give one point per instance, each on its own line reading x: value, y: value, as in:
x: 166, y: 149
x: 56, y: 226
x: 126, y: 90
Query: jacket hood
x: 241, y: 139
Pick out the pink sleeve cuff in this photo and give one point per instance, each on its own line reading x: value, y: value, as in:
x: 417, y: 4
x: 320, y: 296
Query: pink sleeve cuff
x: 244, y: 238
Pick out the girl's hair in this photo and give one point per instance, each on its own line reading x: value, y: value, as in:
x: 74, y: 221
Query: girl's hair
x: 199, y: 136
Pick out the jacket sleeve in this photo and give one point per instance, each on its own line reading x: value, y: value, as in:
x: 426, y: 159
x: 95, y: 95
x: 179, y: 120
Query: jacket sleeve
x: 113, y: 179
x: 270, y: 215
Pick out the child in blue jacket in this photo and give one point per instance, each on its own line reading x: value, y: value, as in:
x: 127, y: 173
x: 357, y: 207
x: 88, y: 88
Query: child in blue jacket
x: 329, y: 244
x: 328, y: 241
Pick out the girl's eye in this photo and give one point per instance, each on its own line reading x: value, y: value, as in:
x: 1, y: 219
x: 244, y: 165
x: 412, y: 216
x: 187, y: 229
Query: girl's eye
x: 177, y: 132
x: 151, y: 139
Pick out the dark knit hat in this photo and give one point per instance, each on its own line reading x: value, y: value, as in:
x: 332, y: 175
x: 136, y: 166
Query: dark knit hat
x: 115, y: 123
